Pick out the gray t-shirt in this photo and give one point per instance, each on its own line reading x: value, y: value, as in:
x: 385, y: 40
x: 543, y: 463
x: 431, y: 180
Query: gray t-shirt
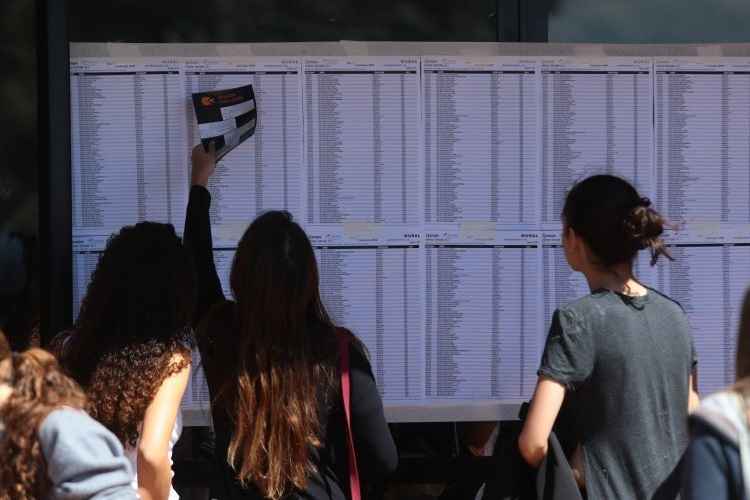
x: 626, y: 363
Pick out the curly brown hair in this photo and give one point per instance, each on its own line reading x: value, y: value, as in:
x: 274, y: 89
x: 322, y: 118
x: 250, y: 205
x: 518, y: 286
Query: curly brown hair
x: 133, y: 330
x: 137, y: 371
x: 39, y: 387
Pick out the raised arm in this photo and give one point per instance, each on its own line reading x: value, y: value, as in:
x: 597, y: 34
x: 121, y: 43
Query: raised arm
x: 197, y: 236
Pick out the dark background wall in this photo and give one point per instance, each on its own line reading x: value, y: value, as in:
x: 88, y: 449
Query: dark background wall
x: 282, y: 20
x: 186, y: 21
x: 600, y: 21
x: 621, y: 21
x: 18, y: 138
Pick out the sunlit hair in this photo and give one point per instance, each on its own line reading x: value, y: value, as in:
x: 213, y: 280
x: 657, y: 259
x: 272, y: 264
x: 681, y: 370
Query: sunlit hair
x: 285, y: 357
x: 38, y: 387
x: 133, y: 325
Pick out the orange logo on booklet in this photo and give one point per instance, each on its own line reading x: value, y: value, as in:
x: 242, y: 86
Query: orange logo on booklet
x: 207, y: 100
x: 229, y: 98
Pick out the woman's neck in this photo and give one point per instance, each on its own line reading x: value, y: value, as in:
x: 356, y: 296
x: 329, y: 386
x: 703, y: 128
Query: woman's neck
x: 618, y: 278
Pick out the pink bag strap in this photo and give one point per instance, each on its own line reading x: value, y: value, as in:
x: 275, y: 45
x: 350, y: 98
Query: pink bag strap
x: 344, y: 337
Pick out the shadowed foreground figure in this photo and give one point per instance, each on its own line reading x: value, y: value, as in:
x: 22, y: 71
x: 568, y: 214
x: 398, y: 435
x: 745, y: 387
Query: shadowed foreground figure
x: 50, y: 447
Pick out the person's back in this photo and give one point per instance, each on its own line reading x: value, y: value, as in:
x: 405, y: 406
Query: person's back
x: 272, y: 364
x: 618, y: 364
x: 130, y: 346
x: 376, y: 453
x: 629, y: 379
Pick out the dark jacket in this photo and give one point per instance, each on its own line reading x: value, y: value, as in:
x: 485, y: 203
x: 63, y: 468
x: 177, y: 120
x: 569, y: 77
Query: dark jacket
x: 712, y: 465
x: 554, y: 479
x: 376, y: 451
x: 516, y: 480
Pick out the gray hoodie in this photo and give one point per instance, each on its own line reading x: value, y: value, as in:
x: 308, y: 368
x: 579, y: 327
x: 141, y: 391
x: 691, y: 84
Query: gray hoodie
x: 725, y: 413
x: 84, y: 459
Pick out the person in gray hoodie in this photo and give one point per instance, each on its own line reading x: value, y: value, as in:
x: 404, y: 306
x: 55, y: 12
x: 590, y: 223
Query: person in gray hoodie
x: 717, y: 462
x: 50, y: 447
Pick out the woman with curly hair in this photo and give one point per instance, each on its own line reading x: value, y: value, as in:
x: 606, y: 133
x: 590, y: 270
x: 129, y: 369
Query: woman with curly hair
x: 272, y: 359
x: 50, y: 447
x: 130, y: 347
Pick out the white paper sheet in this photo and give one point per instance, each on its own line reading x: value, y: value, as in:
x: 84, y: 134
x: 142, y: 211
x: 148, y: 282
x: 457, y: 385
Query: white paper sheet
x: 431, y: 189
x: 709, y: 277
x: 595, y: 117
x: 361, y: 136
x: 372, y: 286
x: 262, y: 173
x: 702, y: 123
x: 127, y: 144
x: 483, y: 338
x: 479, y: 140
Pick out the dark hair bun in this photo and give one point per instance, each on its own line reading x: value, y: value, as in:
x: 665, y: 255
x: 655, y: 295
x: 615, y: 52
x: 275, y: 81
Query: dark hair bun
x: 643, y: 225
x: 614, y: 220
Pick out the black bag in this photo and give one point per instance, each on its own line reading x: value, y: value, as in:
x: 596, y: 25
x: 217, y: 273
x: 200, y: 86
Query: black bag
x: 554, y: 478
x: 514, y: 479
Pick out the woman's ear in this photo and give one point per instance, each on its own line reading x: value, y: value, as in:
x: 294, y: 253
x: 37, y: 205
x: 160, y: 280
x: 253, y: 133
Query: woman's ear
x: 575, y: 248
x: 570, y: 238
x: 576, y: 242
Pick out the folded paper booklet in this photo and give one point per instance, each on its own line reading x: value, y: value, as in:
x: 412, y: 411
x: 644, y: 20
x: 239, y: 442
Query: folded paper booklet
x: 226, y: 117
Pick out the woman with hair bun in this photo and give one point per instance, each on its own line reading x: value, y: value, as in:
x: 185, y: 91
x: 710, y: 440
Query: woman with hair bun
x: 130, y: 347
x: 621, y: 359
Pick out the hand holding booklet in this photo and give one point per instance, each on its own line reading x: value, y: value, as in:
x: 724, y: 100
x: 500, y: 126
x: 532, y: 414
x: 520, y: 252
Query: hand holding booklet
x: 225, y: 117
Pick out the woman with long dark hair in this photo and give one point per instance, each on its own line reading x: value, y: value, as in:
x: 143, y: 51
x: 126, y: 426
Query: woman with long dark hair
x: 130, y: 347
x: 621, y: 358
x: 271, y: 361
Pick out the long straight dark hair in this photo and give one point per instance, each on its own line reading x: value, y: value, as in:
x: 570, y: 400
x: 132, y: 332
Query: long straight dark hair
x: 285, y: 356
